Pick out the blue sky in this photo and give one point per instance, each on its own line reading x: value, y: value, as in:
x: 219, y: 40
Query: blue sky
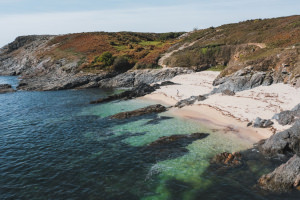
x: 23, y: 17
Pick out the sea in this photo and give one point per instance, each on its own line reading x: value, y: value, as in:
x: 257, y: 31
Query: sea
x: 56, y: 145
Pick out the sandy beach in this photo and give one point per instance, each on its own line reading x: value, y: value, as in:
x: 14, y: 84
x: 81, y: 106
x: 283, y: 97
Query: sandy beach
x: 228, y: 113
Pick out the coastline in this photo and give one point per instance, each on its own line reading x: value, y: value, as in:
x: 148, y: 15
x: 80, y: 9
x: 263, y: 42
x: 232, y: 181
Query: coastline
x: 213, y: 119
x: 228, y: 113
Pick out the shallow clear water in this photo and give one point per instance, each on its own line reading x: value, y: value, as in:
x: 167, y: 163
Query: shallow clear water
x: 55, y: 145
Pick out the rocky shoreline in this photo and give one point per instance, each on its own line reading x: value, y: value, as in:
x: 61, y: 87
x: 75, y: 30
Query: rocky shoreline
x: 259, y: 92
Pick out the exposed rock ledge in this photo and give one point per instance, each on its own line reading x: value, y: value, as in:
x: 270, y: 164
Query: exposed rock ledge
x: 142, y: 111
x: 286, y: 141
x: 5, y: 88
x: 283, y: 178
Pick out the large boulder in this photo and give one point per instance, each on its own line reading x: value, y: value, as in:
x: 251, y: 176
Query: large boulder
x: 284, y: 142
x: 283, y: 178
x: 142, y: 111
x: 288, y: 116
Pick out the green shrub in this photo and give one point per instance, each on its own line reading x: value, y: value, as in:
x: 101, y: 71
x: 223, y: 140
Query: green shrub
x: 171, y: 35
x: 106, y: 59
x: 121, y: 64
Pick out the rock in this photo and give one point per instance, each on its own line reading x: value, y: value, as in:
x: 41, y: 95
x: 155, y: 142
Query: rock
x: 284, y: 142
x: 249, y: 124
x: 177, y: 138
x: 257, y: 79
x: 166, y: 83
x: 142, y: 111
x: 262, y: 123
x: 288, y: 116
x: 284, y: 118
x: 146, y: 76
x: 189, y: 101
x: 268, y: 123
x: 283, y: 178
x: 140, y: 90
x: 245, y: 79
x: 228, y: 159
x: 228, y: 92
x: 169, y: 147
x: 5, y: 88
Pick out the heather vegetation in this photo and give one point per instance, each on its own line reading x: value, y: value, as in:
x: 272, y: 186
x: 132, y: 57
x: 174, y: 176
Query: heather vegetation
x: 234, y: 46
x: 111, y: 51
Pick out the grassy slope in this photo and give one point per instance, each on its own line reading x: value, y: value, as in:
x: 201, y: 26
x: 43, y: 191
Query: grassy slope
x: 142, y: 49
x: 217, y: 46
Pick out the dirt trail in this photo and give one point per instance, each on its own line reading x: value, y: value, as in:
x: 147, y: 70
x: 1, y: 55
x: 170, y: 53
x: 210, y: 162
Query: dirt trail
x: 186, y: 45
x: 260, y: 45
x: 167, y: 55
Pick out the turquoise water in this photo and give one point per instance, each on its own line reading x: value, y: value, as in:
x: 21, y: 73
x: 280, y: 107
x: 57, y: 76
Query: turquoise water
x: 55, y: 145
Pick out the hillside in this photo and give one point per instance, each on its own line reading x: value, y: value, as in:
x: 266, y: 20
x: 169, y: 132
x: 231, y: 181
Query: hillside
x: 100, y: 59
x: 266, y: 45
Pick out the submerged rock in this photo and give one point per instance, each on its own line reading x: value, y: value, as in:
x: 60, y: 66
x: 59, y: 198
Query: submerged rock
x: 170, y: 147
x: 228, y: 159
x: 283, y: 178
x: 142, y: 111
x: 189, y: 101
x: 5, y: 88
x: 140, y: 90
x: 167, y: 140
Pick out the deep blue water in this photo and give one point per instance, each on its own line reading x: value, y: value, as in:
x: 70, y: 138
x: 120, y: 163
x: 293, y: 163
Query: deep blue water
x: 55, y: 145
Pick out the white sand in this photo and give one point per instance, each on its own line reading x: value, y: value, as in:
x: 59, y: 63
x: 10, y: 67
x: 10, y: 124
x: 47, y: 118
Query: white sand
x: 245, y: 106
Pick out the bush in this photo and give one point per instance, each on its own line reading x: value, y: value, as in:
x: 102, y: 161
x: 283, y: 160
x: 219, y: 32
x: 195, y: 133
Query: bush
x: 171, y: 35
x: 121, y: 64
x: 106, y: 59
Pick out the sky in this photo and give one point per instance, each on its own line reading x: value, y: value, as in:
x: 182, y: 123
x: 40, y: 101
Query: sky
x: 35, y: 17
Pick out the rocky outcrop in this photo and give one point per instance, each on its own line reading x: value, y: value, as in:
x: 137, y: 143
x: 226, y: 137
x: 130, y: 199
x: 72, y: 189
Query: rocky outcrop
x: 5, y: 88
x: 142, y: 111
x: 137, y: 77
x: 246, y: 78
x: 189, y: 101
x: 24, y: 40
x: 284, y: 142
x: 262, y: 123
x: 140, y: 90
x: 35, y: 60
x: 227, y: 159
x: 228, y: 92
x: 288, y: 116
x: 283, y: 178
